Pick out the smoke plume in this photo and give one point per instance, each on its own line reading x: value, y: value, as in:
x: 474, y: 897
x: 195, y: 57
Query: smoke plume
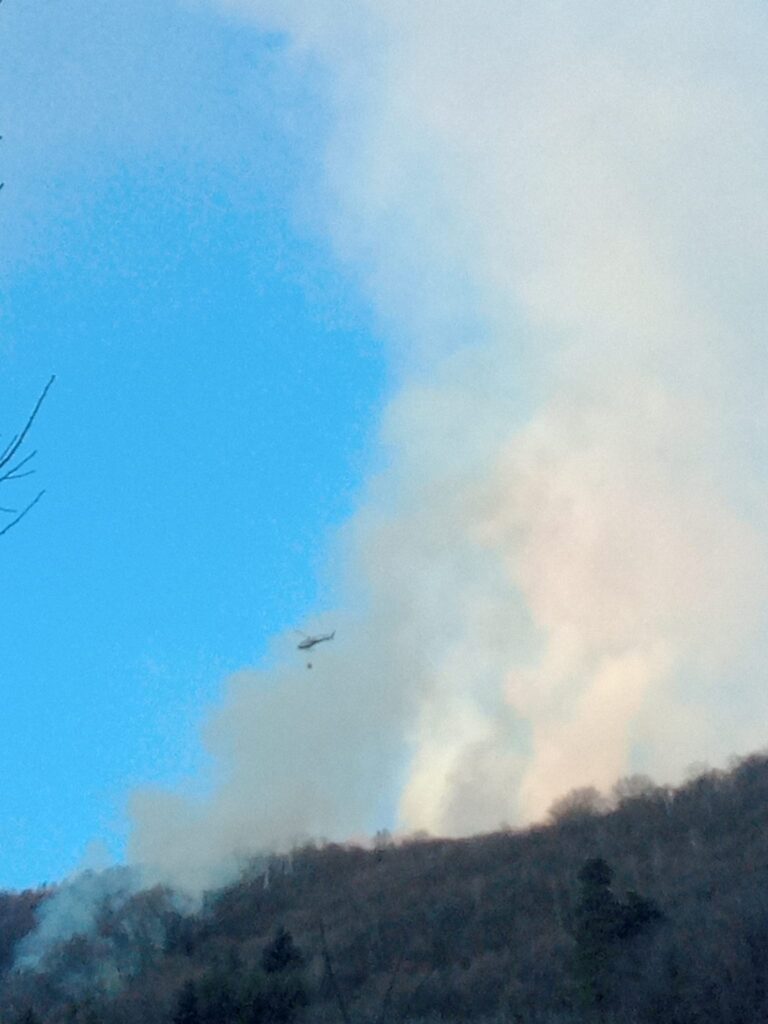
x: 559, y: 574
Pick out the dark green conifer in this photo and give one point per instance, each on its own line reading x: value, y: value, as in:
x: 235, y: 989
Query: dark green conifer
x: 599, y: 921
x: 638, y: 914
x: 604, y: 925
x: 281, y: 953
x: 187, y: 1011
x: 28, y: 1016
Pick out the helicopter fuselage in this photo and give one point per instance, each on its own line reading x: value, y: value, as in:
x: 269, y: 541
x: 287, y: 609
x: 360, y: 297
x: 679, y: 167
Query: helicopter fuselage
x: 310, y: 641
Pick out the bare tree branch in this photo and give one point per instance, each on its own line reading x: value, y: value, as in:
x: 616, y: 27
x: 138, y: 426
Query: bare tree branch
x: 416, y: 991
x: 390, y: 987
x: 331, y: 974
x: 14, y: 470
x: 18, y: 440
x: 21, y: 514
x: 381, y: 1016
x: 14, y: 474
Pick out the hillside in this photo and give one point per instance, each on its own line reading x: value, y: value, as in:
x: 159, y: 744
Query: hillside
x: 525, y: 926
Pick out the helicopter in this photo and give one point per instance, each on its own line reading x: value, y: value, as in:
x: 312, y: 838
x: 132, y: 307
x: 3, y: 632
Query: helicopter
x: 310, y: 641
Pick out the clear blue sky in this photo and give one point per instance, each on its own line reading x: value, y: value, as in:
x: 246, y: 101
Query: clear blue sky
x: 218, y: 379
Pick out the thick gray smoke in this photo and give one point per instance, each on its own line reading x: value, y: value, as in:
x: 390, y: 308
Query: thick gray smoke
x: 559, y: 211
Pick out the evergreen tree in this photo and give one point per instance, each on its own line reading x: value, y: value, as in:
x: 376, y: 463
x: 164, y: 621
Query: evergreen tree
x: 28, y: 1016
x: 638, y: 913
x: 599, y: 921
x: 281, y: 953
x: 274, y: 995
x: 187, y: 1011
x: 218, y: 1002
x: 604, y: 926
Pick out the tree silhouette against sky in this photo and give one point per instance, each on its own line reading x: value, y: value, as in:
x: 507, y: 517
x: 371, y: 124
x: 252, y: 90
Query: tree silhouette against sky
x: 15, y: 465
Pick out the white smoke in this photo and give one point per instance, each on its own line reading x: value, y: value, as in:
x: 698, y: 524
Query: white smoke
x: 559, y: 211
x: 74, y: 909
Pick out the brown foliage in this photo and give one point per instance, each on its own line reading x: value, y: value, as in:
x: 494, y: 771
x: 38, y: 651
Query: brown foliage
x: 477, y: 929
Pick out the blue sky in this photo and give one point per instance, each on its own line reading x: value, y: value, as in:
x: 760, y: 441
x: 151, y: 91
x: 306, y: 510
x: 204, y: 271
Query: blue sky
x: 218, y: 377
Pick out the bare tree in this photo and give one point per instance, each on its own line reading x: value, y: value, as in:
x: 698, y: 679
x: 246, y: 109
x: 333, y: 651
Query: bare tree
x: 14, y: 465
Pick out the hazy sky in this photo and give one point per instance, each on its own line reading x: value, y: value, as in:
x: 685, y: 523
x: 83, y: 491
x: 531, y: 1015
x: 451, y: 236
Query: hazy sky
x: 216, y: 391
x: 441, y: 324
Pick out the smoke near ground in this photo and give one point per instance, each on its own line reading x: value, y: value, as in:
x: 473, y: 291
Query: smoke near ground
x: 559, y: 577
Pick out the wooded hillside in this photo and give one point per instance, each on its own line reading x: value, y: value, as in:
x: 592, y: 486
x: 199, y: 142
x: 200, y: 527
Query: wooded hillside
x: 654, y: 908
